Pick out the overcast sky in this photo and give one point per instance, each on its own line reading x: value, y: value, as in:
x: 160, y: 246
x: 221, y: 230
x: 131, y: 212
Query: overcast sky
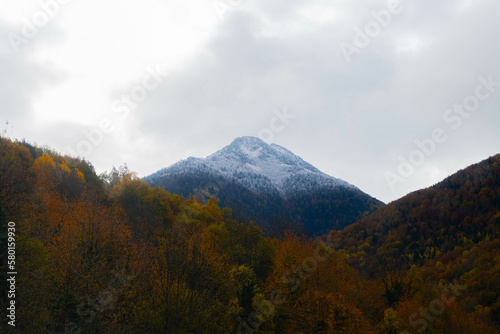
x: 152, y: 82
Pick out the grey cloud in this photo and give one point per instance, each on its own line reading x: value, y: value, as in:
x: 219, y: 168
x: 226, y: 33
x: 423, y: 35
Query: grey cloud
x: 22, y: 80
x: 352, y: 121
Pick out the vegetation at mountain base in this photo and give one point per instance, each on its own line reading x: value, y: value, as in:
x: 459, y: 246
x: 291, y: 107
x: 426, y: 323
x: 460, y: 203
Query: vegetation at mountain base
x: 111, y: 254
x: 311, y: 213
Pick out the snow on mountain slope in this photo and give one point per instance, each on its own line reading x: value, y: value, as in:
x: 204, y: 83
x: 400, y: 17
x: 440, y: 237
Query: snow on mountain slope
x: 260, y: 167
x: 268, y: 184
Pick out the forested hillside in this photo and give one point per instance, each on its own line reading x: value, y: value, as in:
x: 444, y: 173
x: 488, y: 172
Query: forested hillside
x: 110, y: 254
x: 449, y: 231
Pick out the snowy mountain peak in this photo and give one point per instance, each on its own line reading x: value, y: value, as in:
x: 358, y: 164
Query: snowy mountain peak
x: 264, y: 183
x: 254, y: 151
x: 260, y: 167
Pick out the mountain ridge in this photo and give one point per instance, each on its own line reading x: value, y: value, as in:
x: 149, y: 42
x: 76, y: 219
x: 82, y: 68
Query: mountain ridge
x: 465, y: 206
x: 282, y: 185
x: 253, y: 156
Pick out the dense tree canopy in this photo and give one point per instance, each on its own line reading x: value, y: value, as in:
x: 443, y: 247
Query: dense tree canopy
x: 110, y: 254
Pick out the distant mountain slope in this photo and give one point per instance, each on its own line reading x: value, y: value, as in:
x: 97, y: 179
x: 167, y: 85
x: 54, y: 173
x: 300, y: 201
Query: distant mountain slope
x: 462, y: 210
x: 266, y: 184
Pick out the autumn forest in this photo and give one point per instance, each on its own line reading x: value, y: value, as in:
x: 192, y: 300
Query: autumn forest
x: 110, y: 254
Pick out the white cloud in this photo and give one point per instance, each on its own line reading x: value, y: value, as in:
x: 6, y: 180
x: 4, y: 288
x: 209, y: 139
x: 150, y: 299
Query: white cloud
x: 227, y: 76
x: 320, y: 14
